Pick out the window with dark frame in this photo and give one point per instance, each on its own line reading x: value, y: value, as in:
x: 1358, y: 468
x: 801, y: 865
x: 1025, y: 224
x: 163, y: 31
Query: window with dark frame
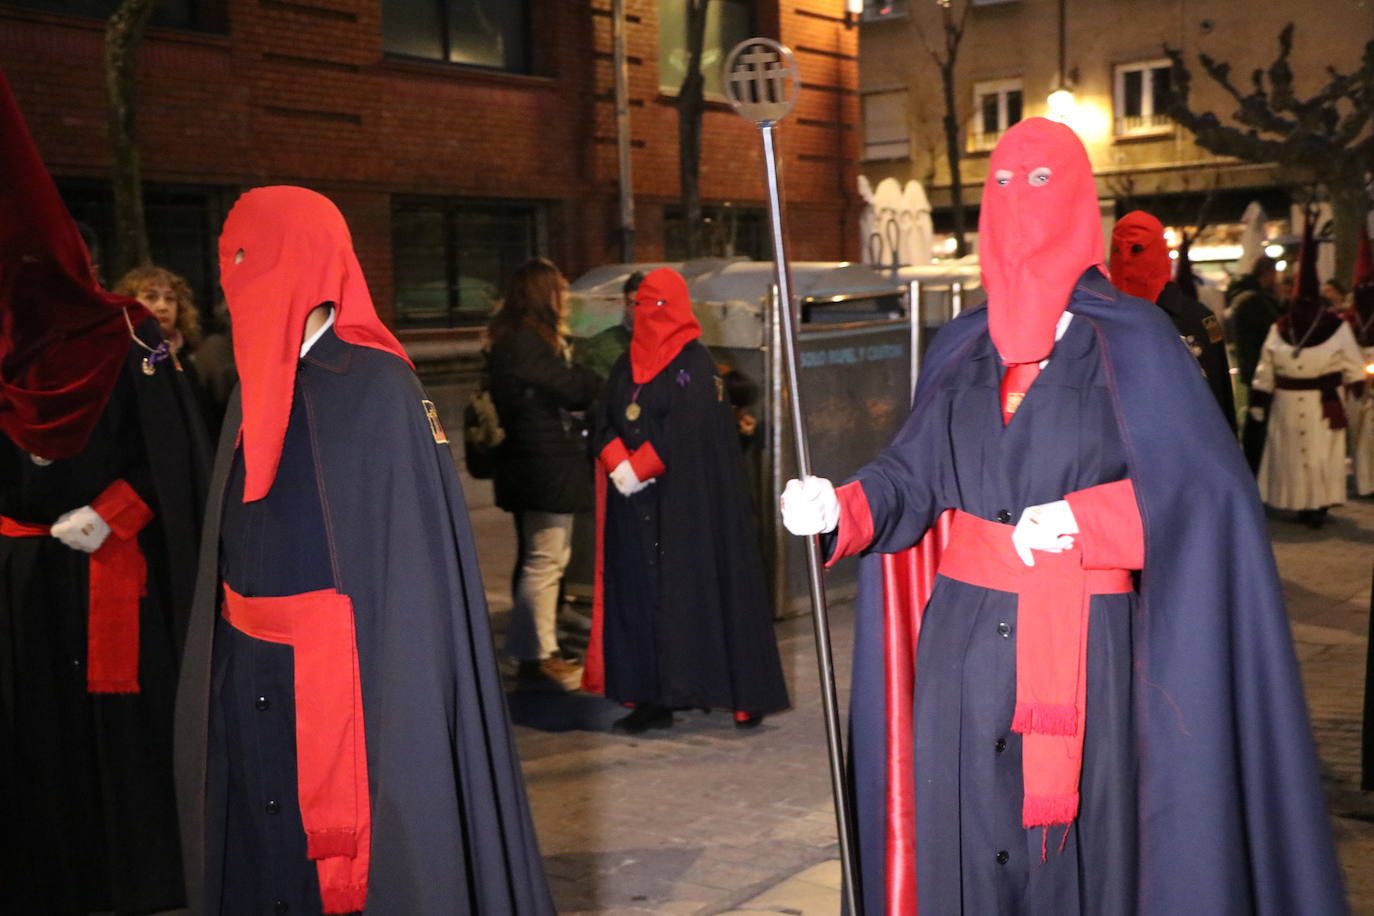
x: 1141, y: 98
x: 728, y: 22
x: 450, y: 256
x: 493, y: 34
x: 183, y: 230
x: 997, y: 106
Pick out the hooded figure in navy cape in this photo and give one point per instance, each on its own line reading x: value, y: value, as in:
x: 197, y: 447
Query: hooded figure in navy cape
x: 682, y: 616
x: 1153, y: 755
x: 103, y: 463
x: 342, y: 740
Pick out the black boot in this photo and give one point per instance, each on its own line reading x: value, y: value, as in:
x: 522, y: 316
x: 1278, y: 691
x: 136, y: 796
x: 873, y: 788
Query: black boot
x: 644, y: 717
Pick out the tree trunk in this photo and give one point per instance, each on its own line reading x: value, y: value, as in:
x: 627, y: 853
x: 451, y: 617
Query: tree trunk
x: 953, y: 154
x: 123, y: 37
x: 1349, y: 209
x: 690, y: 104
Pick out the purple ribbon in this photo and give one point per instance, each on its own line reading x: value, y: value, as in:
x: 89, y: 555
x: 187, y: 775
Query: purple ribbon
x: 683, y: 379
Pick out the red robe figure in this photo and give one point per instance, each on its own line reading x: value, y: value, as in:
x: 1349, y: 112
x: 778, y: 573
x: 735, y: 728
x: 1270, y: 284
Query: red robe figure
x: 342, y: 738
x: 102, y: 473
x: 1089, y: 702
x: 682, y: 616
x: 1140, y: 267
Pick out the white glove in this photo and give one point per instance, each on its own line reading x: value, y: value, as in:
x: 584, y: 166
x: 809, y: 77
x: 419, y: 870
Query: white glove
x: 81, y: 529
x: 810, y: 506
x: 1257, y: 414
x: 1044, y: 527
x: 626, y: 481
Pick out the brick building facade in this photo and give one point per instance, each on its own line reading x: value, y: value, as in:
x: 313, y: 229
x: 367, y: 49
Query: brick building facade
x: 458, y: 138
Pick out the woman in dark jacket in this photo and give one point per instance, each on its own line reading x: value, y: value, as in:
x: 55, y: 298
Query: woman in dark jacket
x: 545, y: 473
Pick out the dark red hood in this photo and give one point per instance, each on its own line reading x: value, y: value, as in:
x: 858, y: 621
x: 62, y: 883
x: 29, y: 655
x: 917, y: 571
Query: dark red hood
x: 62, y: 338
x: 1140, y: 256
x: 1035, y: 239
x: 1308, y: 321
x: 664, y: 323
x: 297, y: 255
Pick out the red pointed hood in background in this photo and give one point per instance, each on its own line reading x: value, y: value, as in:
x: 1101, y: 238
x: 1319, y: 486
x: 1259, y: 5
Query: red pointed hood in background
x: 1039, y: 229
x: 664, y: 323
x: 1140, y: 256
x: 297, y: 255
x: 62, y: 338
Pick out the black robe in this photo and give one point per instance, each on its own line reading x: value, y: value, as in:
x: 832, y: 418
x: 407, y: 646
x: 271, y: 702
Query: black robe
x: 451, y: 828
x: 687, y: 618
x: 1201, y: 331
x: 86, y: 794
x: 1200, y: 788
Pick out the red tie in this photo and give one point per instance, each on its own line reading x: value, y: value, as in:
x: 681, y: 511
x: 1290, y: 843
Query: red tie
x: 1015, y: 384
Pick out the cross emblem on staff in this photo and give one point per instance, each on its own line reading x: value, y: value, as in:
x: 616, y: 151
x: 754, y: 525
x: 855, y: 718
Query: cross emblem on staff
x: 761, y: 80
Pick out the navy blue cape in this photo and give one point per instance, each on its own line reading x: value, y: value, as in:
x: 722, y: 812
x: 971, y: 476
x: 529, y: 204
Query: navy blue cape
x: 451, y: 825
x: 1231, y: 814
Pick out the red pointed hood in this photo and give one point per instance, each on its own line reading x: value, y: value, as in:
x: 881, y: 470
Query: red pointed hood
x: 1140, y: 256
x: 664, y: 323
x: 297, y: 254
x: 62, y: 338
x: 1039, y: 229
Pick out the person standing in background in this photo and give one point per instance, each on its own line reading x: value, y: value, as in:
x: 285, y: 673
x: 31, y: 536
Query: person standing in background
x: 682, y: 616
x: 1252, y: 308
x: 600, y: 351
x: 1308, y: 366
x: 1140, y: 267
x: 168, y: 297
x: 102, y: 484
x: 544, y: 475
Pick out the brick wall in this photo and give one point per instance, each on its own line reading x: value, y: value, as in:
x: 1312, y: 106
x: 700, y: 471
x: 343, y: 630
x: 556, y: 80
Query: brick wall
x: 300, y: 92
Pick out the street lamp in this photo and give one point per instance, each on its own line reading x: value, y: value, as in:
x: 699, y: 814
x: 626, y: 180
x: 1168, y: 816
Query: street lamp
x: 1061, y: 99
x: 1061, y: 102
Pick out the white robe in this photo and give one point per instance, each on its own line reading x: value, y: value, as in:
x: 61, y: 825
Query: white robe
x: 1362, y: 432
x: 1304, y: 458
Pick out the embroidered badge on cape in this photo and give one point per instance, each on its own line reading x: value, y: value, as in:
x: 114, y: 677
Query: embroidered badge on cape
x: 435, y: 427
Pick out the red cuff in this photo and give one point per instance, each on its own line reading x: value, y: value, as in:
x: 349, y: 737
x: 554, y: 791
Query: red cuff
x: 646, y: 463
x: 855, y: 531
x: 1109, y: 528
x: 614, y: 453
x: 122, y: 509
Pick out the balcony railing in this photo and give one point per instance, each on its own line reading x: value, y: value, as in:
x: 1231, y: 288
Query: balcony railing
x: 1144, y: 125
x: 983, y: 143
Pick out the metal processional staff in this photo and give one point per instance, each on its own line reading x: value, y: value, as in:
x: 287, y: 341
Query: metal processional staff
x: 762, y: 84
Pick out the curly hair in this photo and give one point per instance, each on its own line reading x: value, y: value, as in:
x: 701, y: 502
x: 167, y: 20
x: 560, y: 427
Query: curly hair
x: 188, y: 316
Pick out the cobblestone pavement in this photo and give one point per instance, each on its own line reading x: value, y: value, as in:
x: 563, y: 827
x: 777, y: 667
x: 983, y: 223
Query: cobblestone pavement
x: 705, y: 819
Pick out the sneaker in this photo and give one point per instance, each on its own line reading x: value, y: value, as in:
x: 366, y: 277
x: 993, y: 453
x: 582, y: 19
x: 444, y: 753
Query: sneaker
x: 554, y: 671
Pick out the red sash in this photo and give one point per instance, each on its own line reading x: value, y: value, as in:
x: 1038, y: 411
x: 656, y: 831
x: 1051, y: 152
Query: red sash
x: 1051, y: 653
x: 118, y: 580
x: 331, y: 749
